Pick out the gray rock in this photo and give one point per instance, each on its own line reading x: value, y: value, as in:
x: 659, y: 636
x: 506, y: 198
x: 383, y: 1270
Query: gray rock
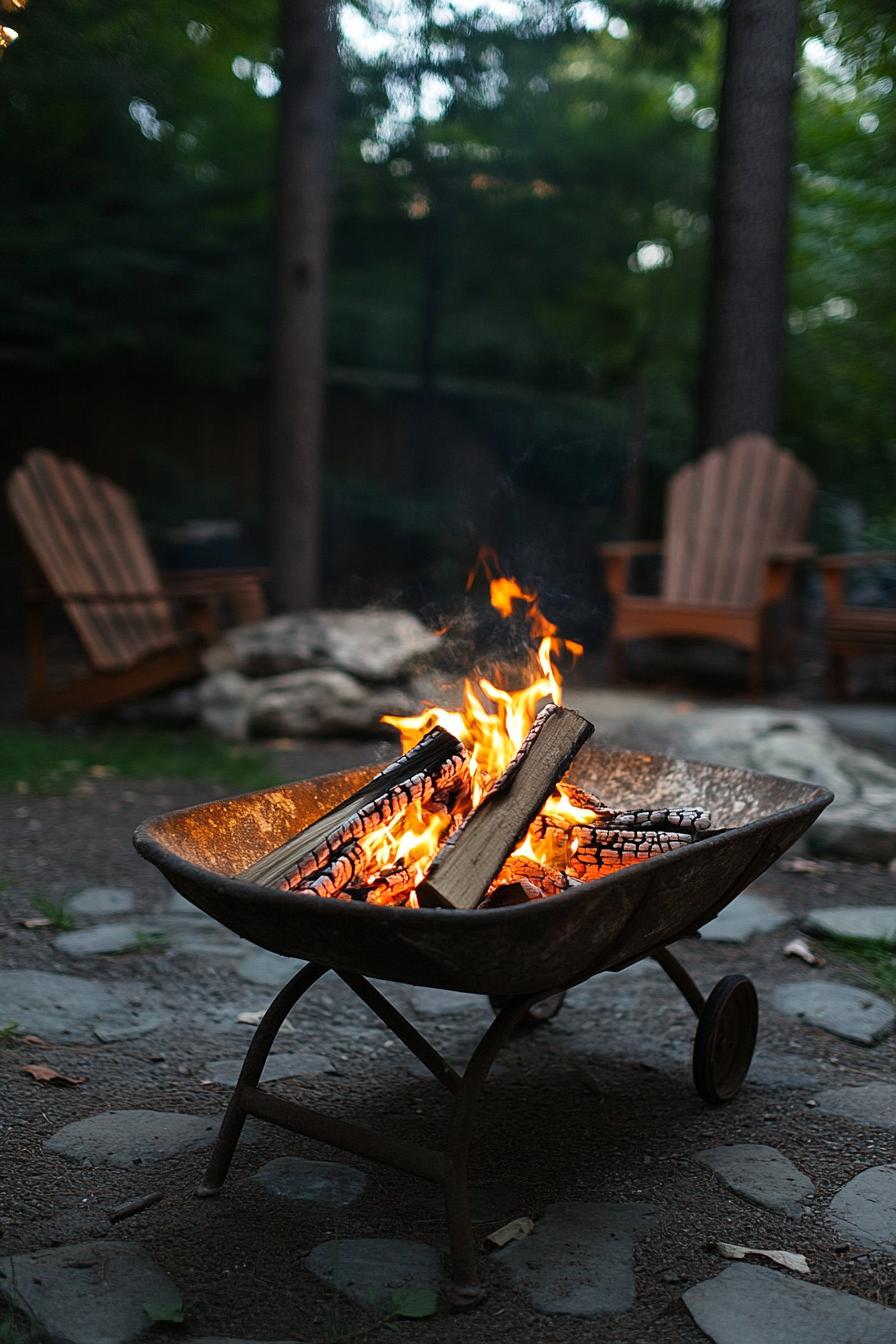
x: 865, y: 1209
x: 749, y: 914
x: 68, y: 1008
x: 860, y: 829
x: 870, y: 1104
x: 373, y: 645
x: 760, y: 1174
x: 855, y: 1014
x: 322, y: 702
x: 858, y: 825
x: 102, y: 939
x: 267, y: 968
x: 305, y: 1182
x: 854, y: 921
x: 439, y: 1002
x: 102, y: 901
x: 225, y: 701
x: 130, y: 1138
x: 183, y: 909
x: 746, y: 1304
x: 578, y: 1261
x: 298, y: 1065
x: 369, y: 1270
x: 91, y: 1293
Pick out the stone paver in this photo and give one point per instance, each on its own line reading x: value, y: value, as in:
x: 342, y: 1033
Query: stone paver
x: 865, y: 1209
x: 749, y: 914
x: 760, y: 1174
x: 578, y: 1261
x: 70, y: 1008
x: 854, y: 921
x: 101, y: 901
x: 369, y: 1270
x: 303, y: 1182
x: 749, y: 1305
x: 870, y: 1104
x: 108, y: 938
x: 438, y: 1002
x: 128, y: 1138
x: 304, y: 1064
x: 854, y: 1014
x: 91, y: 1293
x: 267, y: 968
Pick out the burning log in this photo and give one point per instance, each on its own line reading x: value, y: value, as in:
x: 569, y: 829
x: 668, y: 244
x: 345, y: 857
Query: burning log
x: 690, y: 820
x: 466, y: 865
x: 518, y: 868
x: 430, y: 770
x: 594, y: 852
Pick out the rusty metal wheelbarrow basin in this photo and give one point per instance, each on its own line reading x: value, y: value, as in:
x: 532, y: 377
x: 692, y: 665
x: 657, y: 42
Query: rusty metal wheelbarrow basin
x: 522, y: 950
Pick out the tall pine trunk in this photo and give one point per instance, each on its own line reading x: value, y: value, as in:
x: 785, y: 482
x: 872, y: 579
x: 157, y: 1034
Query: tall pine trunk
x: 298, y: 357
x: 744, y: 332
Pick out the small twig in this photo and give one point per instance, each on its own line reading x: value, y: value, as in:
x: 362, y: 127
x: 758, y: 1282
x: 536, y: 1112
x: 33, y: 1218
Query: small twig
x: 132, y: 1206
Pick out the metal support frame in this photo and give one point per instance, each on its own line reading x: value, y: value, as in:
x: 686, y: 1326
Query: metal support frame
x: 447, y: 1167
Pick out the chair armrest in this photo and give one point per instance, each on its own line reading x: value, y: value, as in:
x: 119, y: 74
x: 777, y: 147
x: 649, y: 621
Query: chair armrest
x: 610, y: 549
x: 617, y: 557
x: 216, y: 578
x: 835, y: 562
x: 778, y: 566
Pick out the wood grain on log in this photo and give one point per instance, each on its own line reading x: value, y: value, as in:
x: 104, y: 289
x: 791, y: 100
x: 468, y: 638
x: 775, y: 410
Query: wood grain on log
x: 465, y: 867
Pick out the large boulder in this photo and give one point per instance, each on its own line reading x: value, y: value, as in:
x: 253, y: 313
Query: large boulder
x: 859, y: 823
x: 322, y: 702
x: 377, y: 646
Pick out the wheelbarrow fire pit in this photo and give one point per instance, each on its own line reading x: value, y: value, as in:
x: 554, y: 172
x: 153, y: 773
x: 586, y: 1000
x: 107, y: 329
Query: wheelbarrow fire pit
x: 524, y: 957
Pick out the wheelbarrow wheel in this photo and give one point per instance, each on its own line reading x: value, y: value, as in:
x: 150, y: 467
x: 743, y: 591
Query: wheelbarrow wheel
x: 725, y: 1039
x: 542, y: 1011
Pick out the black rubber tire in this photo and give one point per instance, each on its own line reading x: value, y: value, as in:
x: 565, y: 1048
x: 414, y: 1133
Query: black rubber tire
x: 540, y: 1012
x: 725, y: 1039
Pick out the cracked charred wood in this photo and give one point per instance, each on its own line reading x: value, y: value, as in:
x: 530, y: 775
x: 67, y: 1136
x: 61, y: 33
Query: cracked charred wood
x: 511, y: 893
x: 549, y: 881
x: 595, y: 852
x: 433, y: 767
x: 692, y: 820
x: 465, y: 867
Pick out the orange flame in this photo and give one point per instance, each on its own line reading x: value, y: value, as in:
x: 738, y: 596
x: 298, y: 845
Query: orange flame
x: 492, y: 724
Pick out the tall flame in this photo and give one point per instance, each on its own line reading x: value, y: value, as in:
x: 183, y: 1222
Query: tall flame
x: 492, y: 724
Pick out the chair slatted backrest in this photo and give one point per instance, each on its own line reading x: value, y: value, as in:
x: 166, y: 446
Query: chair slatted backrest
x: 725, y: 512
x: 84, y: 533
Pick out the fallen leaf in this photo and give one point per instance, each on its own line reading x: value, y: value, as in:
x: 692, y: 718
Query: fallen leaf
x: 253, y: 1019
x: 798, y: 947
x: 788, y: 1259
x: 515, y: 1230
x: 36, y: 922
x: 34, y: 1040
x: 42, y: 1073
x: 802, y: 866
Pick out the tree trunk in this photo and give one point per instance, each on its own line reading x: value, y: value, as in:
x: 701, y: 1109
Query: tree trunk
x: 298, y: 358
x: 747, y: 281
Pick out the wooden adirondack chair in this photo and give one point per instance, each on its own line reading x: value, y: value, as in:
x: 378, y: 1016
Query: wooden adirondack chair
x: 735, y: 522
x: 140, y: 631
x: 852, y: 630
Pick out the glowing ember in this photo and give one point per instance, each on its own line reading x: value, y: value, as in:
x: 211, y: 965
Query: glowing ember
x: 491, y: 725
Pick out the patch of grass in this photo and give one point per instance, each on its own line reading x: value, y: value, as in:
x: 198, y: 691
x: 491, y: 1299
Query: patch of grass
x: 32, y: 761
x: 148, y: 940
x: 15, y: 1331
x: 54, y: 911
x: 875, y: 957
x: 6, y: 1035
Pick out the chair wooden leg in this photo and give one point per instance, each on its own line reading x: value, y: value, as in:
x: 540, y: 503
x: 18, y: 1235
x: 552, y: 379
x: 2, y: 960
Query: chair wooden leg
x: 839, y: 678
x: 617, y: 662
x: 754, y: 679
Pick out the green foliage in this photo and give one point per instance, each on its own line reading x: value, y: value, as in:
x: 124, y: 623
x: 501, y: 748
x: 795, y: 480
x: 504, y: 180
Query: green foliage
x: 54, y: 911
x: 875, y: 957
x: 165, y: 1313
x: 7, y: 1034
x: 13, y: 1330
x: 414, y: 1303
x: 32, y: 761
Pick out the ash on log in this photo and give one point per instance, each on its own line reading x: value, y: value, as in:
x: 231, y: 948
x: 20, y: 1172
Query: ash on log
x: 467, y: 864
x: 323, y: 856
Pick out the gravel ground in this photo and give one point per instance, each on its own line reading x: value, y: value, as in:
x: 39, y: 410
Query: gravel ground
x: 595, y: 1105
